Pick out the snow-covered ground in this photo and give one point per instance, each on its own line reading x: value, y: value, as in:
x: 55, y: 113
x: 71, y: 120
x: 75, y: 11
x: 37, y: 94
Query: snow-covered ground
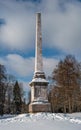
x: 41, y: 121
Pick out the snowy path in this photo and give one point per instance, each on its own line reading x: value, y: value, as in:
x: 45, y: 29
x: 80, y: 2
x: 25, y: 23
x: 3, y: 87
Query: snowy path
x: 41, y: 121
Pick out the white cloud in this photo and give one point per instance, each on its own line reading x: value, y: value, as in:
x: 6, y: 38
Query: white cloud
x: 61, y: 24
x: 24, y: 67
x: 49, y: 65
x: 18, y: 31
x: 18, y: 65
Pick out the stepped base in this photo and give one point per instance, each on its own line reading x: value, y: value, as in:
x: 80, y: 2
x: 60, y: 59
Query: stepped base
x: 39, y: 107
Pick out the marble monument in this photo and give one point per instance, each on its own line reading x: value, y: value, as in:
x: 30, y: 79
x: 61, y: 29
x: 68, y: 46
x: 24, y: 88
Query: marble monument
x: 39, y: 84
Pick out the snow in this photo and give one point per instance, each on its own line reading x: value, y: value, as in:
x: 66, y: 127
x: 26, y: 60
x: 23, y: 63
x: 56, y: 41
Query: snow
x: 41, y: 121
x: 39, y: 80
x: 40, y: 100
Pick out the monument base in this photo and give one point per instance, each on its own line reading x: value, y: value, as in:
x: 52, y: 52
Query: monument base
x: 39, y: 107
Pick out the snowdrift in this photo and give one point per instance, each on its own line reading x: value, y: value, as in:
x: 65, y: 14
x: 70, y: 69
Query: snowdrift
x: 41, y: 121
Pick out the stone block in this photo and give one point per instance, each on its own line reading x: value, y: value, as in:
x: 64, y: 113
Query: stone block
x: 44, y: 107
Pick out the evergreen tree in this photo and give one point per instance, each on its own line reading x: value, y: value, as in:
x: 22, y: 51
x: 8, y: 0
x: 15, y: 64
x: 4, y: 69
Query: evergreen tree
x: 17, y: 98
x: 2, y: 88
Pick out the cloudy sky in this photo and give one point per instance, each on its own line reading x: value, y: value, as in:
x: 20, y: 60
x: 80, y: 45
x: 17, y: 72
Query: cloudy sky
x: 61, y: 34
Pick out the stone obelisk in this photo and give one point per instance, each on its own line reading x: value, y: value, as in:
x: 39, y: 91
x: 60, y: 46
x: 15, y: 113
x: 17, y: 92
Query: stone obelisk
x: 39, y: 100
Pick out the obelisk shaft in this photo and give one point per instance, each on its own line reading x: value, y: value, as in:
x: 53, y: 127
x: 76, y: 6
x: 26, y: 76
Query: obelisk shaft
x: 38, y: 54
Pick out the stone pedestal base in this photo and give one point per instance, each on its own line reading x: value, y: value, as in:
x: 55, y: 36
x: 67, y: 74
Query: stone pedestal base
x: 43, y: 107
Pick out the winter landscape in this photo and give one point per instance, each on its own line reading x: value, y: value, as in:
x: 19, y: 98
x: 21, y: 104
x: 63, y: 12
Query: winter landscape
x: 41, y: 121
x: 40, y: 64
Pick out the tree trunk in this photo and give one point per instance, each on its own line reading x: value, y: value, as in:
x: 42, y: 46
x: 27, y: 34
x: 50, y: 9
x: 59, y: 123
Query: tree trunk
x: 69, y: 100
x: 64, y: 108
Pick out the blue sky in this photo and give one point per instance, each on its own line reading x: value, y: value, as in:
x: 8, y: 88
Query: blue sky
x: 61, y: 34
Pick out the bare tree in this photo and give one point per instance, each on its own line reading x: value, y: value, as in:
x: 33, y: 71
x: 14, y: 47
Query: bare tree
x: 67, y: 76
x: 9, y: 93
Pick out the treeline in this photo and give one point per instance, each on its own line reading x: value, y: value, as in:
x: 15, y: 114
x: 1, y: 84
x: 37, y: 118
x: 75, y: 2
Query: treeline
x: 64, y: 89
x: 65, y: 93
x: 11, y: 94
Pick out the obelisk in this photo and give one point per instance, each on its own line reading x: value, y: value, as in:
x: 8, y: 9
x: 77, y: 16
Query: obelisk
x: 39, y: 99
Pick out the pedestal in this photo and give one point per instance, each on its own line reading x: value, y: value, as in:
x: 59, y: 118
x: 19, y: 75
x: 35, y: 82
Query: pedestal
x: 39, y: 107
